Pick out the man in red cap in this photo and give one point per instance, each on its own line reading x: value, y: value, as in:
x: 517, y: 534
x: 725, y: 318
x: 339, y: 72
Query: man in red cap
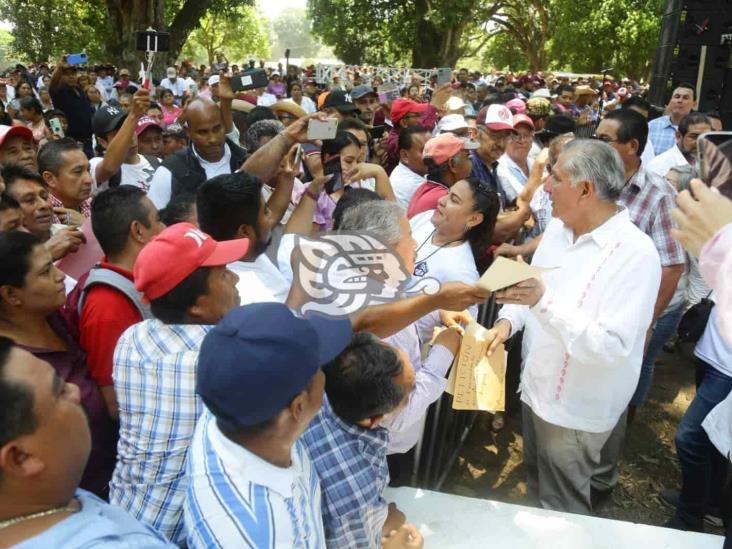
x: 117, y: 132
x: 17, y: 147
x: 182, y: 274
x: 495, y: 127
x: 447, y: 158
x: 149, y: 134
x: 406, y: 113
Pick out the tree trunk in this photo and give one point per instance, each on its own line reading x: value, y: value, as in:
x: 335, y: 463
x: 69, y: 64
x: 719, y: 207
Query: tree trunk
x: 435, y: 47
x: 185, y: 21
x: 129, y: 16
x: 126, y: 18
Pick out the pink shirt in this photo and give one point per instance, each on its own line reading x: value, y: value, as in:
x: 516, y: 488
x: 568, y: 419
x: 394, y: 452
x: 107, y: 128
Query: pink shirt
x: 715, y: 265
x: 170, y: 116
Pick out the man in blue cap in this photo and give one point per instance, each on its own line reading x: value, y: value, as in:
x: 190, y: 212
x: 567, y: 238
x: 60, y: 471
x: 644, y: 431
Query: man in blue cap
x: 251, y: 482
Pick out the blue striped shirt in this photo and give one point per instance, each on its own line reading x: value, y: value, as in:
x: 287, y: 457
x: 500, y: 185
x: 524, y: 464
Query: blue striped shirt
x: 155, y: 380
x: 351, y: 464
x: 236, y: 499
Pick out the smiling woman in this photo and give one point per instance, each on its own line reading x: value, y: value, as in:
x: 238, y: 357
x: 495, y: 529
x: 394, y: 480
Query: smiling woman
x: 31, y: 293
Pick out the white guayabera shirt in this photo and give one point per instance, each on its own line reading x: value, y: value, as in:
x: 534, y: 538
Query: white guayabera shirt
x: 584, y: 338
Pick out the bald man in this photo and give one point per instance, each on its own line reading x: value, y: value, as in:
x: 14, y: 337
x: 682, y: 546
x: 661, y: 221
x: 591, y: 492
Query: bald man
x: 212, y: 149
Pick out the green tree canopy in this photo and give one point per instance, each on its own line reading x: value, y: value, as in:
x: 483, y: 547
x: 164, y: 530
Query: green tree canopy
x: 422, y: 33
x: 293, y: 30
x: 622, y: 34
x: 105, y: 29
x: 46, y: 29
x: 580, y: 35
x: 238, y: 34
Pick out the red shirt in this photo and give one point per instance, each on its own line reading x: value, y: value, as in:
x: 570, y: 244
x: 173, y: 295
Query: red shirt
x: 106, y: 314
x: 425, y: 198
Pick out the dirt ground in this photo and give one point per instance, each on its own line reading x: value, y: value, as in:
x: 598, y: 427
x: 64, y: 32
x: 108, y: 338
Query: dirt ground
x: 489, y: 465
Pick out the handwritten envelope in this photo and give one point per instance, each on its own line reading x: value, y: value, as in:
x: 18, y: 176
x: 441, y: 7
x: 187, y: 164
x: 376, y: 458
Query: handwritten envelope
x: 476, y: 381
x: 505, y: 272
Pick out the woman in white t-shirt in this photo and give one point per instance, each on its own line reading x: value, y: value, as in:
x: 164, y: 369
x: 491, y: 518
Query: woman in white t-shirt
x: 453, y: 239
x: 297, y: 97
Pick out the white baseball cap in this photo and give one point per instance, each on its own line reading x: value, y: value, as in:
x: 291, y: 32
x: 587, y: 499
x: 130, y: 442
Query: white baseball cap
x: 213, y: 80
x: 542, y: 92
x: 496, y: 117
x: 455, y: 103
x: 450, y: 123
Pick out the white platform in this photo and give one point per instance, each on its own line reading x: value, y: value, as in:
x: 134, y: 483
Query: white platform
x: 449, y: 521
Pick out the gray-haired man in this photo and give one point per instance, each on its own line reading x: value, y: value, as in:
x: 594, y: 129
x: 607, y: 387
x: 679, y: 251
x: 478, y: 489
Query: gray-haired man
x: 585, y: 324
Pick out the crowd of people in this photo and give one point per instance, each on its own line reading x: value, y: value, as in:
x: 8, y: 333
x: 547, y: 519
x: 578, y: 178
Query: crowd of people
x: 159, y: 385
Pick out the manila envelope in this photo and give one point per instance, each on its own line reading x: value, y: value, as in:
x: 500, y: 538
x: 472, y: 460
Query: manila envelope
x: 476, y: 381
x: 505, y: 272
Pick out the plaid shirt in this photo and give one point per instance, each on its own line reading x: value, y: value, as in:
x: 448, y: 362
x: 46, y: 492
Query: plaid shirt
x: 84, y: 208
x: 662, y: 134
x: 154, y: 379
x: 649, y: 200
x: 351, y: 464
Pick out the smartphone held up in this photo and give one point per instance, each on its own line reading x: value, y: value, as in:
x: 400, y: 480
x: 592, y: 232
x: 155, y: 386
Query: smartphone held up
x: 714, y: 162
x: 322, y: 129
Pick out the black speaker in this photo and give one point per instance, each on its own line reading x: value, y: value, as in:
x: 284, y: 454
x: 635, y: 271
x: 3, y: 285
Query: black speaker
x: 694, y: 47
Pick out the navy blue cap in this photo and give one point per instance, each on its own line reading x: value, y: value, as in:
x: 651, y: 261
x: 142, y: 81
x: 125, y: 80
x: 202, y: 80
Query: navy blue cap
x: 260, y: 356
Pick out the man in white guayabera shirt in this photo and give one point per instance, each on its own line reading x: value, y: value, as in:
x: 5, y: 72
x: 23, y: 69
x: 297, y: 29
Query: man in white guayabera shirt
x: 585, y: 324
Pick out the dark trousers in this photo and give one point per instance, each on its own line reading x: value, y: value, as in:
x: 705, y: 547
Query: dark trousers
x: 727, y: 508
x: 703, y: 468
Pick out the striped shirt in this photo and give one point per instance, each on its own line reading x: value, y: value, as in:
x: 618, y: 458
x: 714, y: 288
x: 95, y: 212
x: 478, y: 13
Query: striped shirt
x: 351, y: 464
x: 236, y: 499
x: 649, y: 200
x: 155, y: 379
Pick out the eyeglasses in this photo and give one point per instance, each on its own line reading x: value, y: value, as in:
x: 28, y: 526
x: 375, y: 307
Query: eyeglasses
x: 517, y: 137
x: 605, y: 139
x: 286, y: 117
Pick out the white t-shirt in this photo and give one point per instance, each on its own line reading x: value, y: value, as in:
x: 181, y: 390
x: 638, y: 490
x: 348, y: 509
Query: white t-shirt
x: 179, y: 87
x: 161, y: 184
x: 306, y: 104
x: 266, y: 100
x: 139, y: 175
x: 712, y: 348
x: 672, y: 158
x: 404, y: 182
x: 259, y: 281
x: 446, y: 264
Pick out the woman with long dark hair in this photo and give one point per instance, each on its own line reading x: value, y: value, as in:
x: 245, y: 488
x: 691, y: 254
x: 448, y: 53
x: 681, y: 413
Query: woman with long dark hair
x: 452, y: 240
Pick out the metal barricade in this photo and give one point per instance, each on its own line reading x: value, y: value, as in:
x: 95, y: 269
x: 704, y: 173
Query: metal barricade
x: 445, y: 429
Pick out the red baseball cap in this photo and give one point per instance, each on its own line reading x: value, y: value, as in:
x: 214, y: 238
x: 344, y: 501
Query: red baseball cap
x: 144, y: 123
x: 175, y: 253
x: 6, y: 132
x: 522, y: 119
x: 446, y: 145
x: 401, y: 107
